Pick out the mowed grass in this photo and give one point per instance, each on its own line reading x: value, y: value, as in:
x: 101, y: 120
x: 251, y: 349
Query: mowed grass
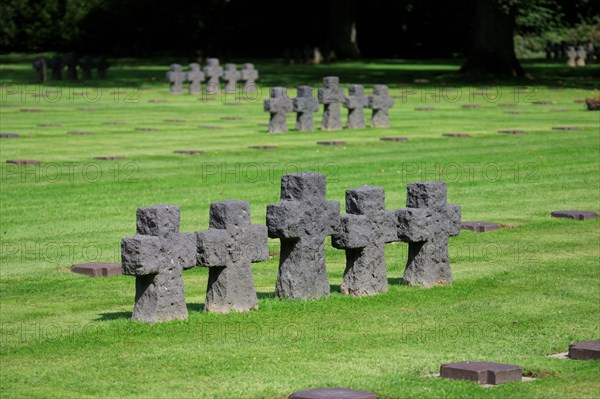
x: 519, y: 294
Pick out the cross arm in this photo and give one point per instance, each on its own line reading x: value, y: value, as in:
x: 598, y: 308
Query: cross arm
x: 256, y: 243
x: 140, y: 255
x: 414, y: 224
x: 355, y: 231
x: 212, y: 247
x: 284, y: 220
x: 180, y: 249
x: 453, y: 217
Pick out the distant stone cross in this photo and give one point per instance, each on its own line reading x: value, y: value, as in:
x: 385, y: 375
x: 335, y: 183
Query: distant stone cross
x: 40, y: 67
x: 355, y: 102
x: 156, y: 256
x: 301, y: 221
x: 194, y: 77
x: 380, y: 101
x: 72, y: 62
x: 176, y: 77
x: 101, y: 65
x: 249, y: 75
x: 305, y: 106
x: 213, y: 73
x: 571, y: 55
x: 278, y: 105
x: 426, y: 224
x: 331, y: 95
x: 229, y: 247
x: 581, y: 56
x: 56, y: 64
x: 364, y: 230
x: 86, y: 67
x: 231, y: 75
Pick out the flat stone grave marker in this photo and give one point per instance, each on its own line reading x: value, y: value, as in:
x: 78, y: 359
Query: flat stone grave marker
x: 579, y: 101
x: 262, y: 124
x: 147, y: 129
x: 394, y: 139
x: 332, y: 142
x: 456, y: 135
x: 114, y: 123
x: 156, y: 101
x: 230, y: 104
x: 479, y: 227
x: 471, y: 106
x: 9, y: 135
x: 210, y: 127
x: 30, y: 110
x: 231, y: 118
x: 507, y: 105
x: 514, y: 112
x: 543, y: 102
x: 189, y: 152
x: 332, y: 393
x: 263, y: 147
x: 79, y: 133
x: 110, y: 158
x: 97, y: 269
x: 482, y: 372
x: 576, y: 215
x: 513, y: 131
x: 588, y: 350
x: 424, y: 109
x: 176, y: 120
x: 49, y: 124
x: 23, y: 161
x: 87, y: 109
x: 565, y: 127
x: 560, y: 110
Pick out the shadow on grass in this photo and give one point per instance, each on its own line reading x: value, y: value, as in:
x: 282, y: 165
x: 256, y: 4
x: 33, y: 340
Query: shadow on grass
x: 395, y: 281
x: 114, y: 316
x: 195, y: 307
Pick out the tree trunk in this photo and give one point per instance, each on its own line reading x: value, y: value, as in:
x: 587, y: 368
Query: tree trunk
x: 493, y: 48
x: 341, y: 37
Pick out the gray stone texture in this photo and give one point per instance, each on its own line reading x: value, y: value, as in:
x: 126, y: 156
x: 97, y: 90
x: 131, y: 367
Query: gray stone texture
x: 426, y: 224
x: 157, y: 256
x: 331, y: 95
x: 40, y: 67
x: 72, y: 63
x: 278, y: 105
x: 482, y: 372
x: 355, y: 102
x: 213, y: 73
x: 194, y: 78
x: 231, y: 75
x: 301, y: 221
x: 249, y: 76
x: 380, y: 101
x: 57, y: 65
x: 305, y: 105
x: 176, y: 77
x: 86, y: 65
x: 229, y: 247
x: 363, y: 231
x: 588, y: 350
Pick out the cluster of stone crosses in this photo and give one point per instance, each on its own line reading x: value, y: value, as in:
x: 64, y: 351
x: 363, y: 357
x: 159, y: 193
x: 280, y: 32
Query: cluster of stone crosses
x: 575, y: 55
x: 331, y: 96
x: 159, y: 253
x: 57, y: 64
x: 213, y: 73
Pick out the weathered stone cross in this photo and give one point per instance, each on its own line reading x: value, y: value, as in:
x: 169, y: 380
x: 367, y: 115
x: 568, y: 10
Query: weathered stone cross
x: 194, y: 77
x: 305, y: 105
x: 364, y: 230
x: 380, y: 101
x: 426, y: 224
x: 278, y: 105
x: 301, y: 221
x: 356, y: 101
x: 331, y: 95
x: 229, y: 247
x: 249, y: 75
x: 231, y: 75
x: 86, y: 65
x: 213, y: 73
x: 176, y: 77
x: 156, y: 256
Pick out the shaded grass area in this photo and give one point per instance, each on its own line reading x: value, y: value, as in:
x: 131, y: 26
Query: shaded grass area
x: 519, y: 293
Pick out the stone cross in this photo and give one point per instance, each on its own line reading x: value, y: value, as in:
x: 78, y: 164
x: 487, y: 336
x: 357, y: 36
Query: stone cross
x: 176, y: 77
x: 231, y: 75
x: 157, y: 256
x: 86, y: 65
x: 102, y: 66
x: 229, y: 247
x: 380, y: 101
x: 581, y: 56
x: 194, y: 77
x: 278, y: 105
x: 213, y: 73
x: 305, y: 105
x: 301, y: 221
x: 72, y: 62
x: 40, y: 67
x: 355, y: 102
x: 571, y: 55
x: 249, y: 75
x: 426, y: 224
x: 331, y: 95
x: 364, y: 230
x: 57, y: 65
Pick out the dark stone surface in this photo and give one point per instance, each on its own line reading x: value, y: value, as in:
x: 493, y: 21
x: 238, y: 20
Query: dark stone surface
x: 176, y: 120
x: 57, y: 65
x: 380, y: 102
x: 363, y: 231
x: 176, y: 77
x: 9, y: 135
x: 514, y: 112
x: 49, y: 124
x: 355, y: 102
x: 213, y: 73
x: 513, y: 131
x: 479, y: 227
x: 156, y: 256
x: 189, y: 152
x: 110, y: 158
x: 301, y: 221
x: 232, y: 118
x: 424, y: 109
x: 332, y: 393
x: 482, y: 372
x: 30, y: 110
x: 97, y: 269
x: 40, y: 67
x: 471, y: 106
x: 102, y: 66
x: 426, y: 224
x: 114, y: 123
x: 305, y: 105
x: 263, y: 147
x: 560, y: 110
x: 507, y: 105
x: 332, y: 142
x: 394, y: 139
x: 87, y: 109
x: 212, y: 127
x: 588, y: 350
x: 23, y: 161
x: 147, y: 129
x: 232, y: 104
x: 194, y: 78
x: 565, y: 127
x: 157, y: 101
x: 543, y: 102
x: 456, y: 135
x: 86, y: 65
x: 277, y: 106
x: 577, y: 215
x: 228, y: 248
x: 331, y: 95
x: 80, y: 133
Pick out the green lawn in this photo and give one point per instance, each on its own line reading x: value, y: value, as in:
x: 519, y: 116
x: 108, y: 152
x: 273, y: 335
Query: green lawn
x: 519, y: 294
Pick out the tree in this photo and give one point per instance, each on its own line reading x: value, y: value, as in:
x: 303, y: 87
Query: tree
x: 341, y: 35
x: 493, y: 47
